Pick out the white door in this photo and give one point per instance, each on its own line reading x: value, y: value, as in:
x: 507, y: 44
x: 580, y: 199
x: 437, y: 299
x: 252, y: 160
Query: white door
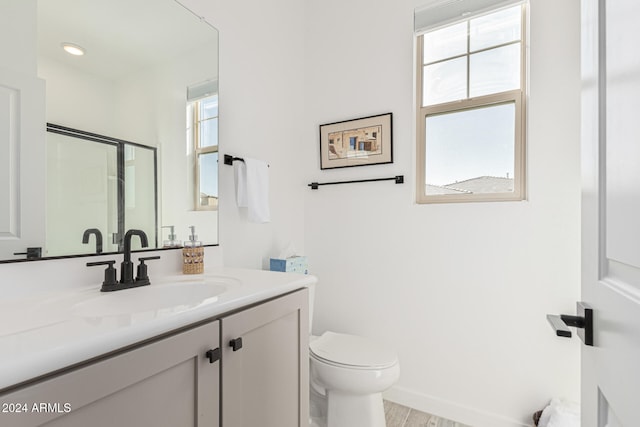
x: 22, y: 163
x: 611, y: 211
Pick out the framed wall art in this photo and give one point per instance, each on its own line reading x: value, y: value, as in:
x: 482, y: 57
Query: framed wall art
x: 358, y: 142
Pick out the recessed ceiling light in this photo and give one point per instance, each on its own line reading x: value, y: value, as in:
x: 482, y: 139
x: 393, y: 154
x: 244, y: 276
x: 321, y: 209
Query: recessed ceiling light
x: 73, y: 49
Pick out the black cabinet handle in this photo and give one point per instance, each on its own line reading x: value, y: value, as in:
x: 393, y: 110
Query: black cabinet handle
x: 583, y: 321
x: 213, y: 355
x: 236, y: 344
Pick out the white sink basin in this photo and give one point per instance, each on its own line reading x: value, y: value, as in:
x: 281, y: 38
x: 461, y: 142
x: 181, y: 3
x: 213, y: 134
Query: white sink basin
x: 171, y: 296
x: 168, y: 295
x: 31, y: 315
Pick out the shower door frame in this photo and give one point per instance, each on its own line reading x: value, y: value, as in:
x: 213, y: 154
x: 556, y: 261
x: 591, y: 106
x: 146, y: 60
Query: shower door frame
x: 119, y: 144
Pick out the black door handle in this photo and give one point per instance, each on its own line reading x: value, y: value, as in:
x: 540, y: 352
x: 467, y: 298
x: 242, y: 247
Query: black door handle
x: 583, y: 321
x: 213, y: 355
x: 236, y: 344
x: 31, y: 253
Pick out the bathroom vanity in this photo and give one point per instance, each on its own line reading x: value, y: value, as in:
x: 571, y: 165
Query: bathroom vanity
x: 229, y: 348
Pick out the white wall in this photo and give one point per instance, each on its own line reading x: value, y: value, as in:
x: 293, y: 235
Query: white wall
x: 16, y: 19
x: 461, y: 290
x: 77, y: 99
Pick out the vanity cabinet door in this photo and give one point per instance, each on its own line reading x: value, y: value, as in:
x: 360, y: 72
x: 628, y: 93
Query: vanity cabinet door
x: 265, y: 364
x: 170, y: 382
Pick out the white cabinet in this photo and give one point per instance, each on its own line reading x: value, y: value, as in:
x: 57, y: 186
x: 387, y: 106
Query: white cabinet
x: 265, y: 364
x: 169, y: 382
x: 190, y: 378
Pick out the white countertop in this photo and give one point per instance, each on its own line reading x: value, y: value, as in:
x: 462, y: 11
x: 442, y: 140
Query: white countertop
x: 48, y: 331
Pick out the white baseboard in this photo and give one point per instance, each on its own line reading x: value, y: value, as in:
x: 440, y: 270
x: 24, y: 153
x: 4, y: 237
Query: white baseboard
x: 449, y: 410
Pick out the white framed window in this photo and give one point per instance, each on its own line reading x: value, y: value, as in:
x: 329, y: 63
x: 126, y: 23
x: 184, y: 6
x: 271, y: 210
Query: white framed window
x: 205, y: 148
x: 471, y: 80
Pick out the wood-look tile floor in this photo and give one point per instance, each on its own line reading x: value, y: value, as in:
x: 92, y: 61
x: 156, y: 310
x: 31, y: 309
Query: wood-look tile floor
x: 402, y: 416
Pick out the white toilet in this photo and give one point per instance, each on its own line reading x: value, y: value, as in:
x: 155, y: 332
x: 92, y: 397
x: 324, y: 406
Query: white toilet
x: 348, y: 374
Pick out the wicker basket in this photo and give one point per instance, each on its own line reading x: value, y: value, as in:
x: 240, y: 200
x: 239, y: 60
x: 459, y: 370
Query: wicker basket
x: 193, y: 260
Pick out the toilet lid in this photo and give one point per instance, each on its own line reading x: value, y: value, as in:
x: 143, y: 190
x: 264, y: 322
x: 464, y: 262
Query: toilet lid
x: 352, y: 350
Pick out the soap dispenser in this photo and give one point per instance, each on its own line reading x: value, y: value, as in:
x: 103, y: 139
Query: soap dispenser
x: 172, y: 241
x: 193, y: 254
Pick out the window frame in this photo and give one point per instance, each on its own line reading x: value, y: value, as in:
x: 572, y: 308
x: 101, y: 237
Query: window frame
x: 517, y: 96
x: 199, y: 151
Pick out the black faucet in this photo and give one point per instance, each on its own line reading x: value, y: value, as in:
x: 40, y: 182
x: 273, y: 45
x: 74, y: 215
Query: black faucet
x: 126, y: 267
x: 126, y: 274
x: 88, y: 232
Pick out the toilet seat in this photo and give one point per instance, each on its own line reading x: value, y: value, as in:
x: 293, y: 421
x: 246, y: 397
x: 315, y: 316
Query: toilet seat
x: 351, y: 351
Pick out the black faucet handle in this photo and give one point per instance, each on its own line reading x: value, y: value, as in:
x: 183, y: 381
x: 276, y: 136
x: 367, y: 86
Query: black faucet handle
x: 141, y: 273
x: 110, y: 282
x: 93, y: 264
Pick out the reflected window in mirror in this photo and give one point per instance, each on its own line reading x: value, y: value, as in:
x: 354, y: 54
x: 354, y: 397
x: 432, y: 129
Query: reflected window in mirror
x: 204, y: 112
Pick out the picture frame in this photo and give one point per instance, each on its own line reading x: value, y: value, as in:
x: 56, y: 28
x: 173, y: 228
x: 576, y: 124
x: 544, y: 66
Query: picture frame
x: 358, y: 142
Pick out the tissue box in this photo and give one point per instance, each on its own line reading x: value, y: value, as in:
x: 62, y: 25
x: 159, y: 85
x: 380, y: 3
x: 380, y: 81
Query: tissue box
x: 295, y: 264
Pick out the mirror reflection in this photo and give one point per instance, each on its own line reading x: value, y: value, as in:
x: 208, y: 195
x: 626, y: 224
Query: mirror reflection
x: 98, y: 186
x: 132, y: 126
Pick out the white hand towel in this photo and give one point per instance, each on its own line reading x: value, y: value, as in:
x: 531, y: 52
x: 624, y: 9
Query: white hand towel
x: 252, y: 189
x: 240, y: 170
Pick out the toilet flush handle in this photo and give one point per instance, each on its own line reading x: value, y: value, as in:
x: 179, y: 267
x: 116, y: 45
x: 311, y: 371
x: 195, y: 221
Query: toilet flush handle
x: 236, y: 344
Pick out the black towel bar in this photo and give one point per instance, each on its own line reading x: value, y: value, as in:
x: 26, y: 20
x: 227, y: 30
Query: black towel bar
x: 228, y: 160
x: 399, y: 179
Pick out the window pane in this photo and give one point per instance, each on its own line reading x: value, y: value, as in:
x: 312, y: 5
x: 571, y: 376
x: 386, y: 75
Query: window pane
x: 496, y: 70
x: 470, y: 151
x: 445, y: 81
x: 445, y: 43
x: 495, y: 29
x: 208, y: 179
x: 209, y: 107
x: 209, y: 133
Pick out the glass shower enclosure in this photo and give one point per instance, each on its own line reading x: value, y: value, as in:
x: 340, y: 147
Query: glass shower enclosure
x: 98, y: 182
